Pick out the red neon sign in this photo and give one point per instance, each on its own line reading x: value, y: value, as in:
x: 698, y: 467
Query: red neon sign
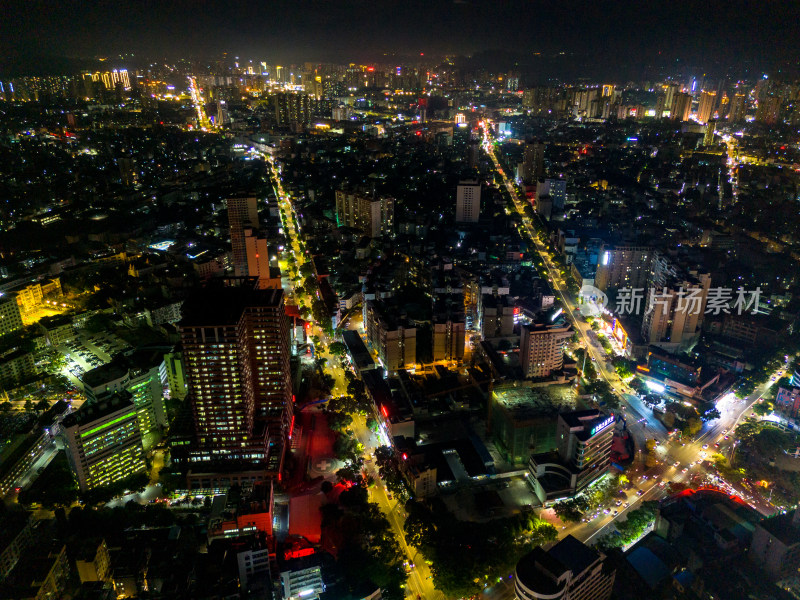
x: 384, y: 411
x: 291, y: 428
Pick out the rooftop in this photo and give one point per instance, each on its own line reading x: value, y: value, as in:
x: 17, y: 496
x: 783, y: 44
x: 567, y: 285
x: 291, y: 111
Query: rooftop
x: 219, y: 306
x: 781, y: 527
x: 90, y: 412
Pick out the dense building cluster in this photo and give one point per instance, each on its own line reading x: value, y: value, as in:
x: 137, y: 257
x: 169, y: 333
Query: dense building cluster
x: 364, y: 331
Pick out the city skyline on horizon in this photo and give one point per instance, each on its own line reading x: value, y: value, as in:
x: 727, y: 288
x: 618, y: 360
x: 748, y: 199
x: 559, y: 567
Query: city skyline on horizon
x: 599, y: 41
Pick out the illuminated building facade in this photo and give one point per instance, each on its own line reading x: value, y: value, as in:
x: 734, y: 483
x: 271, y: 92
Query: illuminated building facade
x: 242, y: 214
x: 395, y: 340
x: 542, y: 348
x: 104, y: 443
x: 623, y: 266
x: 292, y: 109
x: 569, y: 570
x: 532, y: 161
x: 584, y: 440
x: 707, y: 106
x: 141, y: 379
x: 737, y: 108
x: 681, y: 107
x: 674, y: 306
x: 236, y: 360
x: 302, y: 579
x: 372, y: 215
x: 10, y: 315
x: 468, y: 202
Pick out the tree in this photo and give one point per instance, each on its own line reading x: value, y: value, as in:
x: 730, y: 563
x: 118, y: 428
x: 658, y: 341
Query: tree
x: 710, y: 414
x: 28, y: 404
x: 6, y: 406
x: 337, y: 349
x: 42, y: 405
x: 339, y: 421
x: 764, y: 408
x: 693, y: 426
x: 668, y: 419
x: 346, y: 448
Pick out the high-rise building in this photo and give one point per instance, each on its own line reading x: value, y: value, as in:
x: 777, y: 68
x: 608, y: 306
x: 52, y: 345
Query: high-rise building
x: 540, y: 100
x: 111, y: 78
x: 127, y: 170
x: 623, y: 266
x: 258, y: 260
x: 10, y: 315
x: 372, y: 215
x: 707, y: 106
x: 301, y: 579
x: 496, y: 314
x: 542, y: 348
x: 556, y: 189
x: 468, y: 202
x: 584, y: 455
x: 173, y: 377
x: 140, y: 378
x: 768, y: 109
x: 473, y: 152
x: 776, y: 545
x: 532, y: 161
x: 570, y: 570
x: 675, y: 304
x: 737, y: 108
x: 391, y: 335
x: 242, y: 214
x: 236, y: 356
x: 292, y: 108
x: 449, y: 327
x: 104, y: 443
x: 681, y: 107
x: 708, y: 137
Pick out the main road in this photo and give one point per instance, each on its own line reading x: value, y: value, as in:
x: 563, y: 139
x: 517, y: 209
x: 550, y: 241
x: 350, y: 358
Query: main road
x: 420, y: 581
x: 640, y: 419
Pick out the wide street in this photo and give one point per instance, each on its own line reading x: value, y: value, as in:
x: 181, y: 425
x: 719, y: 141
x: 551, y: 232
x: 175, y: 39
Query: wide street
x: 420, y: 581
x: 640, y: 420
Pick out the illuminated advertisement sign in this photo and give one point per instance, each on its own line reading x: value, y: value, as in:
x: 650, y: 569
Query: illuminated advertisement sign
x: 600, y: 426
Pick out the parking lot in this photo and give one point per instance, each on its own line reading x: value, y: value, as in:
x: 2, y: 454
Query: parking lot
x: 88, y: 352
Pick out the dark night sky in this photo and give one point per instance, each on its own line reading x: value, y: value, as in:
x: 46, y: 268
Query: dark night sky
x: 280, y: 31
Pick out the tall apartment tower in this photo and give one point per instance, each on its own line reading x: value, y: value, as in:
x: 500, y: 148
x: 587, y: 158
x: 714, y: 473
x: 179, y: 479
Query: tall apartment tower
x: 468, y: 202
x: 674, y: 305
x: 473, y: 153
x: 737, y: 108
x: 104, y: 443
x: 258, y: 262
x: 532, y: 161
x: 708, y: 137
x: 236, y: 358
x: 623, y: 266
x: 372, y: 215
x: 242, y: 214
x: 10, y: 314
x: 681, y: 107
x: 768, y: 109
x: 706, y: 107
x: 542, y: 348
x: 570, y: 570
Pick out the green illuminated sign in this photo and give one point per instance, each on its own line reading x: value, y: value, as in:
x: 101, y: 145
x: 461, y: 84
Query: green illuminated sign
x: 117, y: 420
